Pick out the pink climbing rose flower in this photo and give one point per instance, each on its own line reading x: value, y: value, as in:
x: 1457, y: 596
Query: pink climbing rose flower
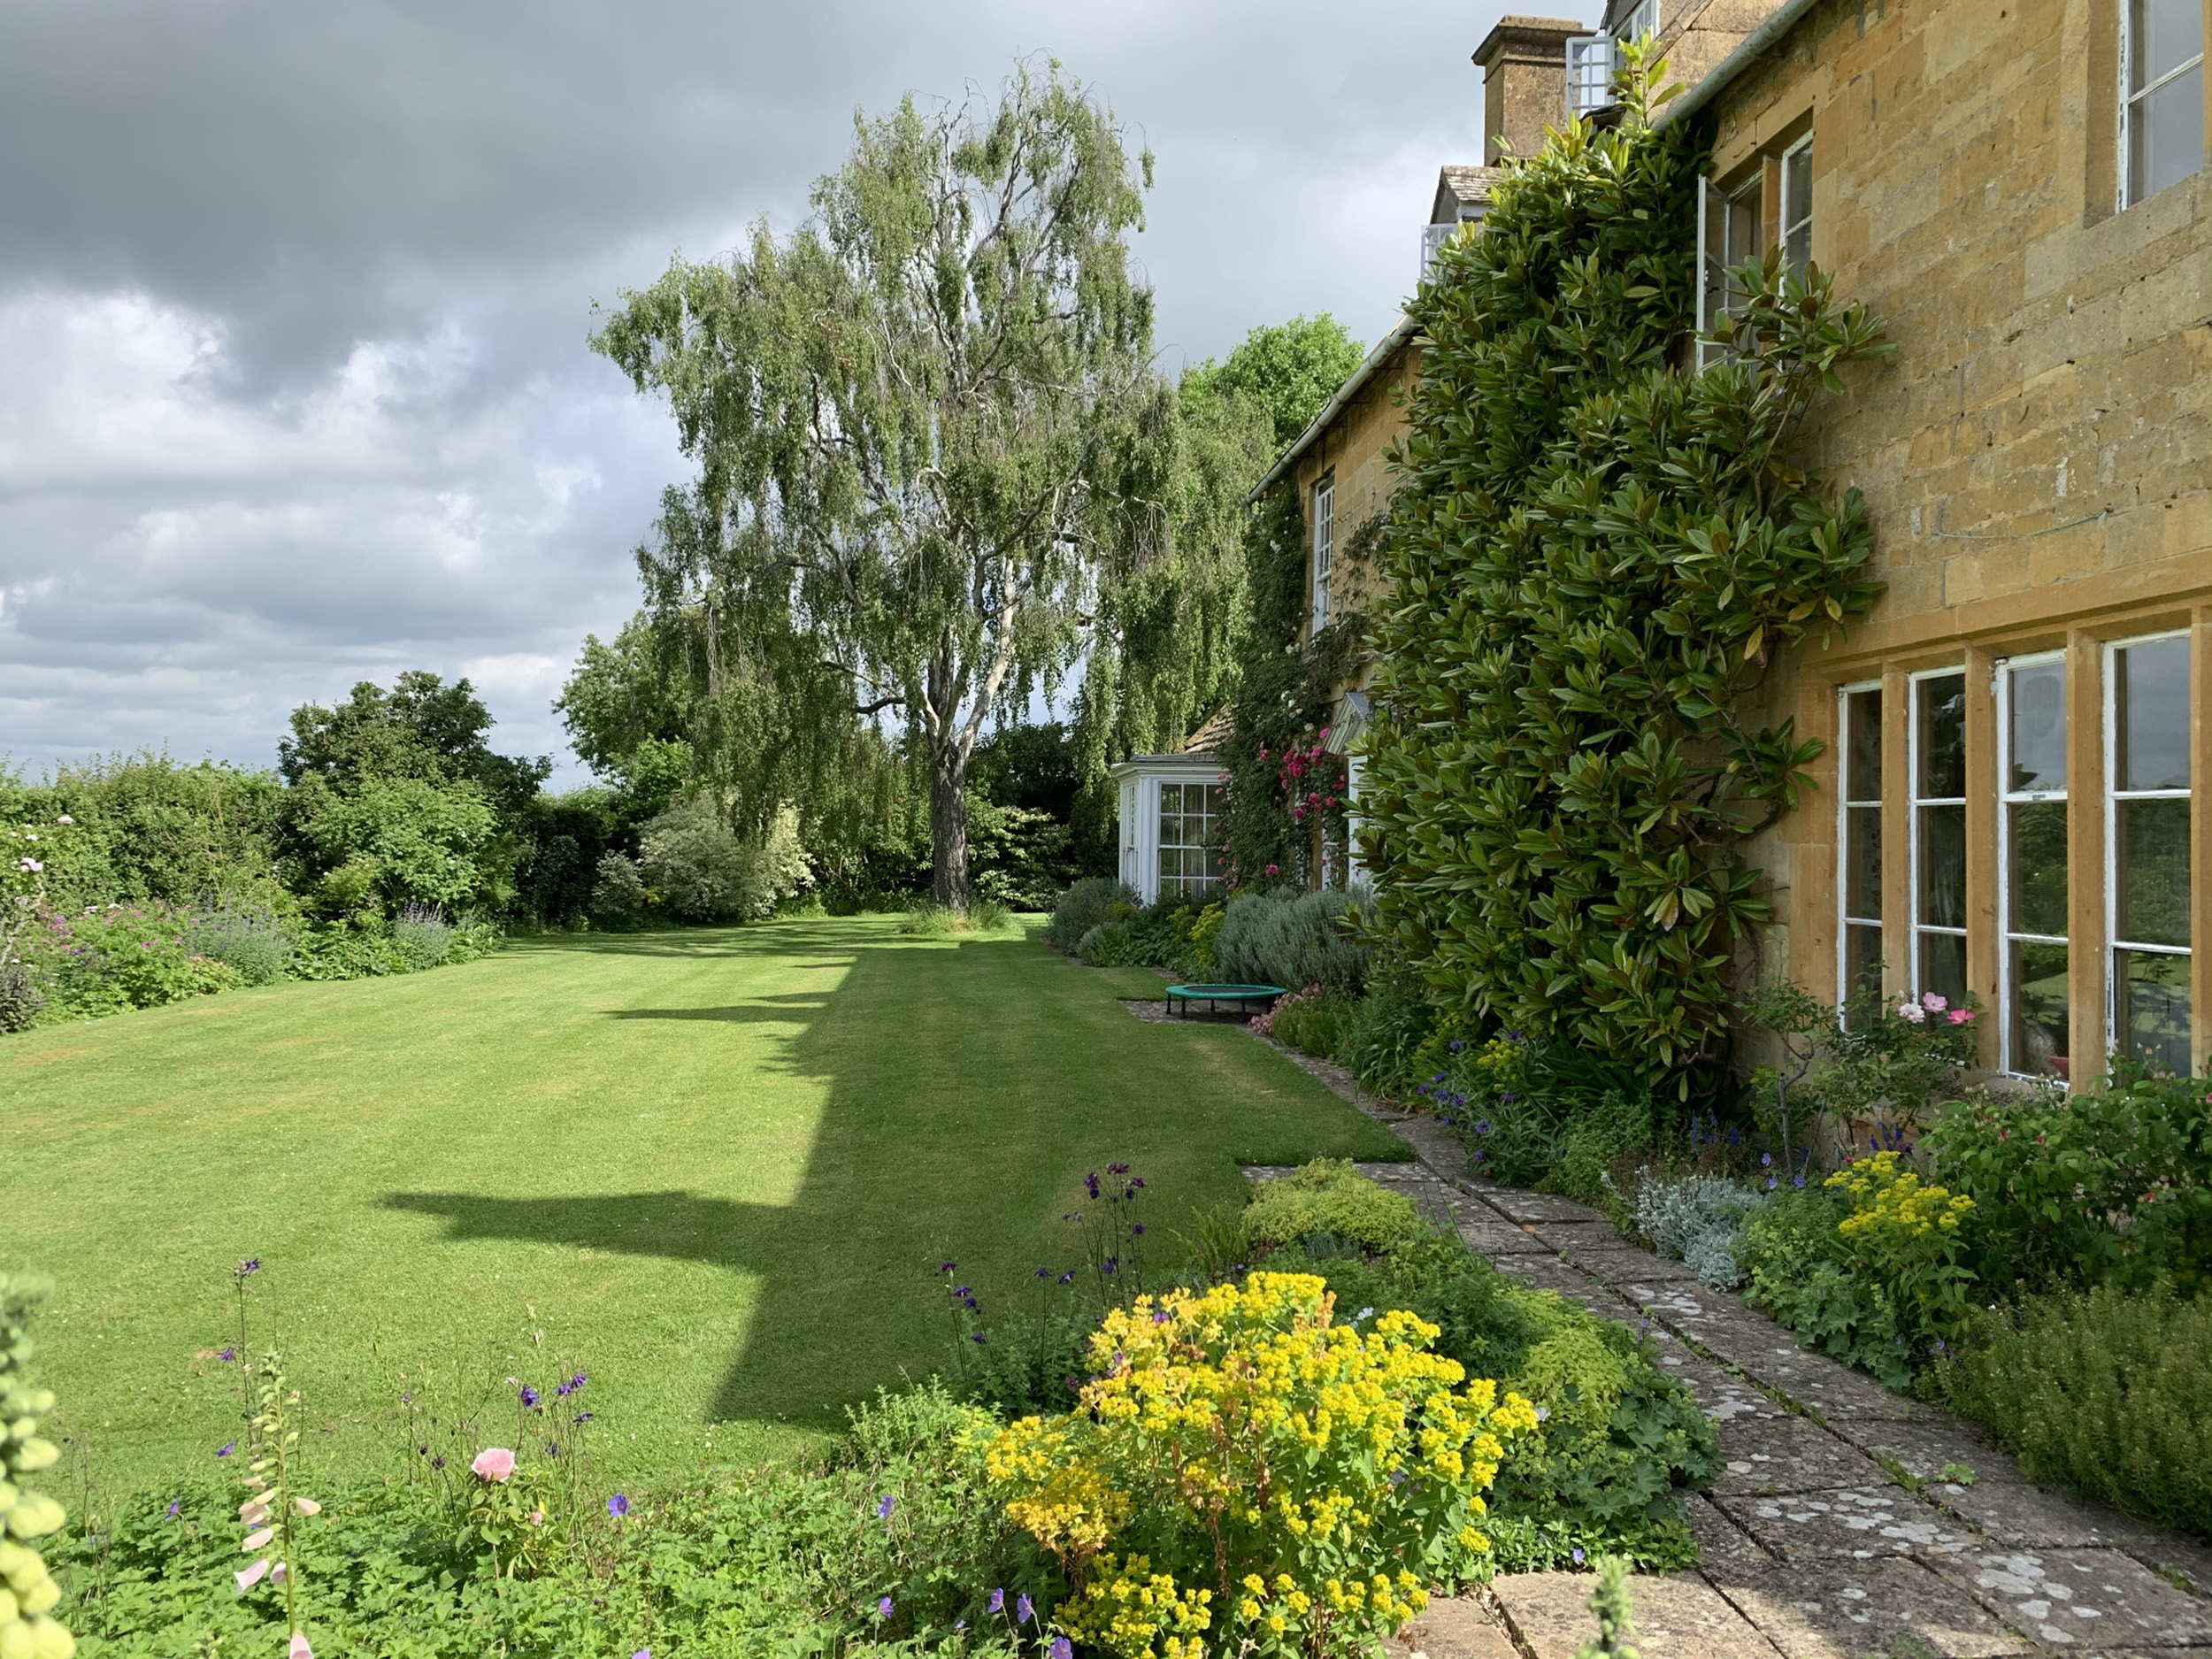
x: 1960, y: 1016
x: 1912, y: 1011
x: 1933, y: 1003
x: 494, y: 1463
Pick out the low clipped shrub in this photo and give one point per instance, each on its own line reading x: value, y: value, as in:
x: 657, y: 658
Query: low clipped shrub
x: 1145, y: 1493
x: 1287, y: 938
x: 1328, y: 1198
x: 704, y: 872
x: 1698, y: 1221
x: 1086, y: 905
x: 2105, y: 1391
x: 250, y: 939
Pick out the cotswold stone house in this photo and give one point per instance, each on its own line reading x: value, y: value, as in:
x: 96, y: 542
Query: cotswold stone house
x: 2018, y: 189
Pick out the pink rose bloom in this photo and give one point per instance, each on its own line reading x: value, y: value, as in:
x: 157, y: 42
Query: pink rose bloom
x: 1912, y: 1011
x: 494, y: 1463
x: 1933, y: 1003
x: 1960, y: 1016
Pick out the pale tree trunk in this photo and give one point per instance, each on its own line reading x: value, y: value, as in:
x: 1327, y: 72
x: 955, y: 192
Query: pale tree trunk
x: 949, y: 823
x: 948, y: 786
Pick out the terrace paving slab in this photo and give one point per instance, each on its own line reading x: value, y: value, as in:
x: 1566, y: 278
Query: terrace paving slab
x: 1853, y: 1522
x: 1846, y: 1609
x: 1924, y: 1447
x: 1625, y: 1267
x: 1721, y: 1394
x: 1494, y: 1237
x: 1514, y: 1205
x: 1454, y: 1627
x: 2017, y: 1515
x: 1722, y: 1545
x: 1765, y: 1455
x: 1678, y: 1615
x: 2091, y: 1598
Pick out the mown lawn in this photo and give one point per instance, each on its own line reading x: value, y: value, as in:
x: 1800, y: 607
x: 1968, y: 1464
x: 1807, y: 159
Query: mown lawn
x: 715, y: 1170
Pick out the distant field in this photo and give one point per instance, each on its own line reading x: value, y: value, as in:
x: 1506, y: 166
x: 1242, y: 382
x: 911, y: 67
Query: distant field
x: 715, y: 1170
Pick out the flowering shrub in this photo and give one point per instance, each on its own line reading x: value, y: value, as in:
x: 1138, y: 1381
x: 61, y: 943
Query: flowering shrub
x: 1894, y: 1065
x: 1244, y: 1474
x: 105, y: 959
x: 2110, y: 1185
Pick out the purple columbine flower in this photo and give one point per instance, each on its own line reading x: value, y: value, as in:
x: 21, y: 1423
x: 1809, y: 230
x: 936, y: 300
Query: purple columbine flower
x: 529, y: 1398
x: 617, y: 1506
x: 946, y: 1267
x: 1025, y: 1609
x: 1136, y: 1229
x: 958, y: 1626
x: 978, y: 1339
x: 1044, y: 1273
x: 230, y: 1354
x: 228, y: 1447
x: 583, y: 1416
x: 1068, y: 1277
x: 438, y: 1462
x: 174, y: 1505
x: 883, y: 1606
x: 1090, y: 1183
x: 884, y: 1507
x: 251, y: 1264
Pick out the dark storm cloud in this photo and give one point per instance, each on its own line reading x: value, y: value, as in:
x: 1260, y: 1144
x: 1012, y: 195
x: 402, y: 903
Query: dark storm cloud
x: 294, y: 298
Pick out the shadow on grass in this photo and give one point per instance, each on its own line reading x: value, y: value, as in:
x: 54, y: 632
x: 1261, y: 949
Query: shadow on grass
x: 964, y: 1096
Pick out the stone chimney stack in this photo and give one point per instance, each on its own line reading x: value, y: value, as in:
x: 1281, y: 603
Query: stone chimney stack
x: 1524, y: 64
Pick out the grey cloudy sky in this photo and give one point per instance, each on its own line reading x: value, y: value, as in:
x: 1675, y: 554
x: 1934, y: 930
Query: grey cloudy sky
x: 294, y: 295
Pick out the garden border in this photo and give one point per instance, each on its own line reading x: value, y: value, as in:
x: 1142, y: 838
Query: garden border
x: 1830, y: 1532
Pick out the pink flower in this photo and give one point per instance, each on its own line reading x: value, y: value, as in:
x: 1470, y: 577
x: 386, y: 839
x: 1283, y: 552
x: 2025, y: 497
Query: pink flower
x: 1960, y: 1016
x: 1933, y: 1003
x: 494, y: 1463
x: 1912, y: 1011
x: 1273, y: 869
x: 299, y: 1649
x: 248, y: 1576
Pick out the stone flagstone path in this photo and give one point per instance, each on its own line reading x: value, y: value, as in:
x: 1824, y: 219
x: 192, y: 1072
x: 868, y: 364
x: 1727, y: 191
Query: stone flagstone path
x: 1832, y: 1533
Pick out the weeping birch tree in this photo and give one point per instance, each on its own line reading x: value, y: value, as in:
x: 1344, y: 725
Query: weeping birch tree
x: 928, y: 430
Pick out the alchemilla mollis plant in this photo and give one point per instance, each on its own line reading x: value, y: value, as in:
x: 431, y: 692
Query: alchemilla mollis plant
x: 1244, y: 1475
x: 1596, y: 557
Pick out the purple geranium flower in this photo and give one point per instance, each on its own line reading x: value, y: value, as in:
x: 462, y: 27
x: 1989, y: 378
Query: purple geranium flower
x: 1025, y: 1609
x: 883, y: 1606
x: 228, y: 1447
x: 617, y: 1506
x: 883, y: 1507
x: 998, y: 1600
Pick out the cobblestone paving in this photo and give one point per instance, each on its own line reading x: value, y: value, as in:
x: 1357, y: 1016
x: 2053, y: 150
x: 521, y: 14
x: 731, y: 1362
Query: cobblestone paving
x: 1832, y: 1533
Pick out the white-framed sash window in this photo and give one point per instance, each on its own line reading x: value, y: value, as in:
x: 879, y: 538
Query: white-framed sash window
x: 2147, y: 707
x: 1323, y: 547
x: 1858, y: 840
x: 1797, y: 204
x: 1191, y: 826
x: 2032, y: 888
x: 1937, y: 827
x: 2162, y: 95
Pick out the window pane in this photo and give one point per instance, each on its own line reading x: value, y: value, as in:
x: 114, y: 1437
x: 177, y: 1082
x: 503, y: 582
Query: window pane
x: 1941, y: 711
x: 2151, y: 715
x: 2162, y: 34
x: 1797, y: 185
x: 2151, y: 1008
x: 1943, y: 966
x: 1863, y: 877
x: 1861, y: 959
x: 2038, y: 1033
x: 1942, y: 867
x: 1743, y: 224
x: 1864, y: 761
x: 1798, y: 250
x: 2150, y: 871
x: 2038, y: 727
x: 2166, y: 134
x: 2037, y: 843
